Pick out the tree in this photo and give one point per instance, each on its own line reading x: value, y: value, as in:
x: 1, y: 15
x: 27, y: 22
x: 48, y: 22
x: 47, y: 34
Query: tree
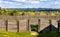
x: 1, y: 10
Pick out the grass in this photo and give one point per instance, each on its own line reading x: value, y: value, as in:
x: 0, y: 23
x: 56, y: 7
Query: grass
x: 16, y: 34
x: 27, y: 34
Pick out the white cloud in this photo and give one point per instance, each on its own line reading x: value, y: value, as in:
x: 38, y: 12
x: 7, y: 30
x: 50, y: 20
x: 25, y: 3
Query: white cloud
x: 57, y: 3
x: 18, y: 4
x: 35, y: 2
x: 20, y: 0
x: 44, y: 0
x: 29, y: 1
x: 8, y: 2
x: 1, y: 1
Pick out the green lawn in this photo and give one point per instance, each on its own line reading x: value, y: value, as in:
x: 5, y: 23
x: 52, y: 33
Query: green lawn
x: 27, y: 34
x: 11, y: 34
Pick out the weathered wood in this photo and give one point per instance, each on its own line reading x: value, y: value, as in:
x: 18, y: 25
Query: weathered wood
x: 28, y: 25
x: 50, y: 28
x: 12, y: 26
x: 6, y: 23
x: 2, y: 25
x: 38, y: 25
x: 17, y: 26
x: 58, y: 28
x: 23, y: 25
x: 44, y: 23
x: 9, y: 23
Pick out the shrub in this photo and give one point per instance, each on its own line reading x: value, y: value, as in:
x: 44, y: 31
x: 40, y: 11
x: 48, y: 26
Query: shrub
x: 53, y: 14
x: 43, y: 13
x: 21, y: 13
x: 34, y: 28
x: 32, y: 13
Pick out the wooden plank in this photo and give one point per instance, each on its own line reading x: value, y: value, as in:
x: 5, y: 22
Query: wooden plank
x: 22, y: 25
x: 12, y: 25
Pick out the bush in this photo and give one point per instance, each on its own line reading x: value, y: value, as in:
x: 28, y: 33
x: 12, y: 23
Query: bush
x: 32, y: 13
x: 11, y: 13
x: 43, y: 13
x: 34, y: 28
x: 21, y: 13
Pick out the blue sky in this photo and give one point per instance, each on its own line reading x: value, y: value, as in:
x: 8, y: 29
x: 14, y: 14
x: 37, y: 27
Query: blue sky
x: 30, y: 3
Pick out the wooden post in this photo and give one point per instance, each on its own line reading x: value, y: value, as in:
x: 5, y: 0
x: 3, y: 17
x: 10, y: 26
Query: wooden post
x: 58, y: 28
x: 28, y: 28
x: 17, y: 26
x: 38, y: 25
x: 50, y: 25
x: 6, y: 23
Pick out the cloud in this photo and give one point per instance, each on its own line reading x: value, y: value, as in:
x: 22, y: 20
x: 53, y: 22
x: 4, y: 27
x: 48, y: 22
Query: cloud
x: 20, y: 0
x: 18, y: 4
x: 6, y: 2
x: 44, y: 0
x: 35, y: 2
x: 28, y: 1
x: 1, y: 1
x: 57, y: 3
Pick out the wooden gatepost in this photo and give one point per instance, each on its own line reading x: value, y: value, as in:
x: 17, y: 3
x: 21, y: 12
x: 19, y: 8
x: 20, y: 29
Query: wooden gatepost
x: 58, y: 28
x: 38, y: 25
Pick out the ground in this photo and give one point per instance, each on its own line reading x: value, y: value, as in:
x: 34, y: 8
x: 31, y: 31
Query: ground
x: 27, y: 34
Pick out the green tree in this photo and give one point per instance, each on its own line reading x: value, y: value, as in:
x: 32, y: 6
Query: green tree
x: 1, y: 10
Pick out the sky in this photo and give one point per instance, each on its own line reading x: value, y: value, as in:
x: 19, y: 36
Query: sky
x: 30, y: 3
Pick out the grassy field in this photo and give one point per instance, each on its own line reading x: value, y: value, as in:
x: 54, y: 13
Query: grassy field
x: 27, y: 34
x: 12, y: 34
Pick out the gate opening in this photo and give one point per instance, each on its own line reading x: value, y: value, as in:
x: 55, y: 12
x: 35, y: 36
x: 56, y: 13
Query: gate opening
x: 34, y: 28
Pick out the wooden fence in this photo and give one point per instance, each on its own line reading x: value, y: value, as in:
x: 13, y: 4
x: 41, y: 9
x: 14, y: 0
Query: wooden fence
x: 24, y: 25
x: 19, y: 23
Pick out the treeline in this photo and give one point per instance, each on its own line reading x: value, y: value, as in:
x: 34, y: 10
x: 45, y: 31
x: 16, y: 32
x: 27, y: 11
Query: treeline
x: 15, y: 11
x: 8, y: 12
x: 34, y: 9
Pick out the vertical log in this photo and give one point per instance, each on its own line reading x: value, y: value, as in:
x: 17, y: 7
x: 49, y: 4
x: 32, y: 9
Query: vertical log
x: 28, y: 28
x: 17, y: 26
x: 58, y: 28
x: 6, y: 23
x: 50, y: 28
x: 38, y: 25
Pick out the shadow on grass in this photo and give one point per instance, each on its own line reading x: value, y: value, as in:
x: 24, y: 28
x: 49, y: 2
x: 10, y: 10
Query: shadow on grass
x: 50, y: 31
x: 48, y: 34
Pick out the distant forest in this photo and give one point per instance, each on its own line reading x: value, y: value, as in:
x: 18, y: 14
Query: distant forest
x: 34, y: 9
x: 15, y: 11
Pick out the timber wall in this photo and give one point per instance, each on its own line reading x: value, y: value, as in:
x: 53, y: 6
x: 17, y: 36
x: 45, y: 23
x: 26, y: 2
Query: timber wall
x: 20, y: 23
